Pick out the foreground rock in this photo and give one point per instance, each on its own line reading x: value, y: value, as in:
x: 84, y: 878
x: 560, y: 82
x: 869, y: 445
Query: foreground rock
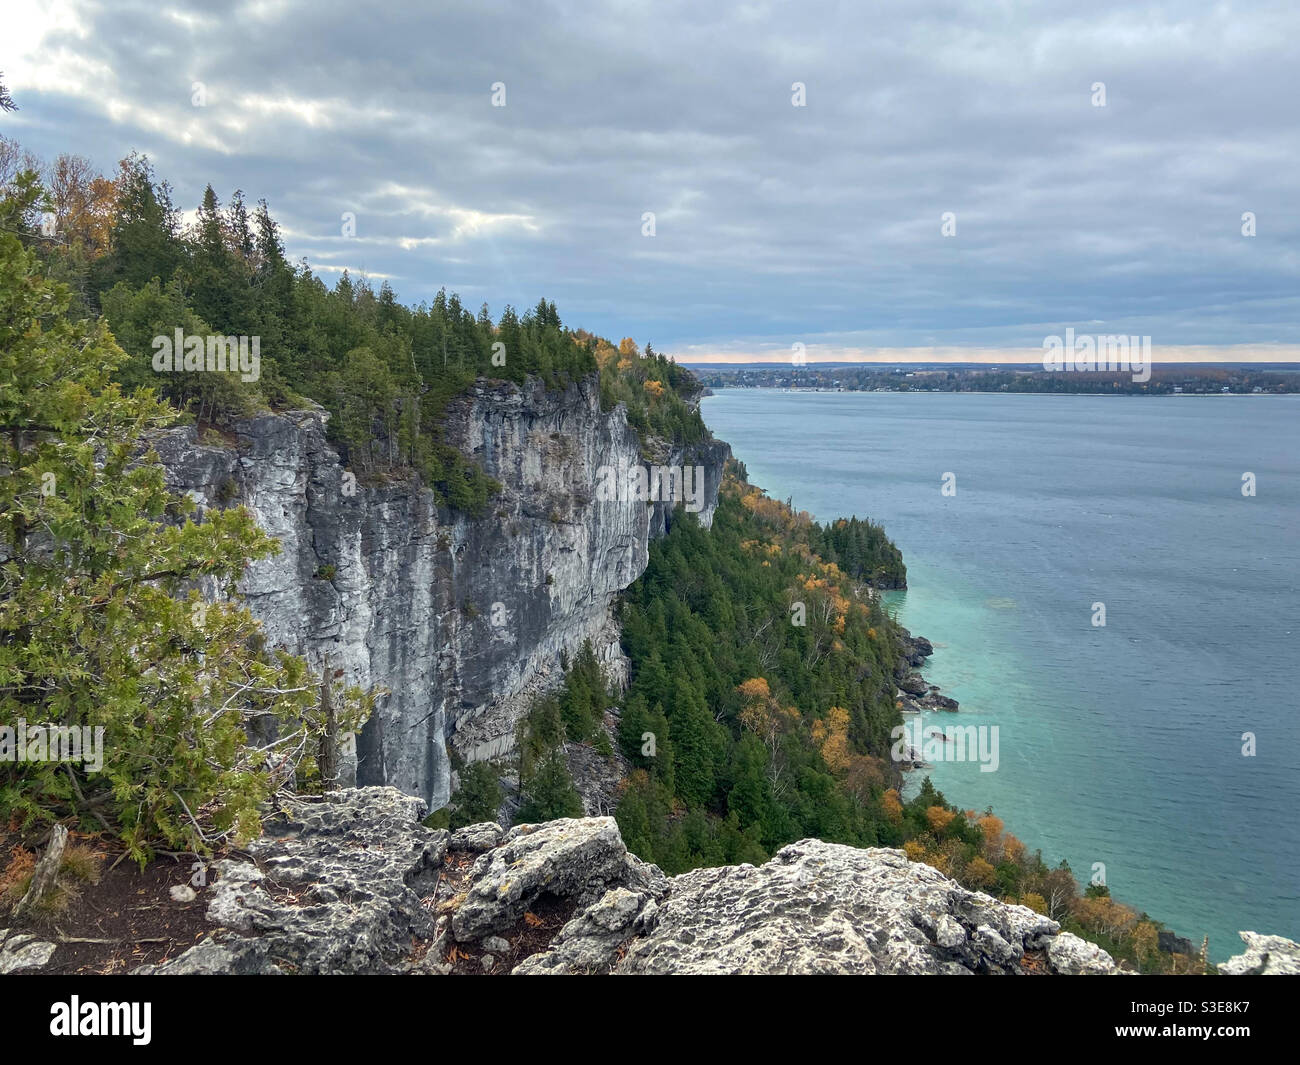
x: 1265, y: 956
x: 20, y: 951
x: 819, y: 908
x: 574, y: 858
x: 336, y: 888
x: 353, y: 883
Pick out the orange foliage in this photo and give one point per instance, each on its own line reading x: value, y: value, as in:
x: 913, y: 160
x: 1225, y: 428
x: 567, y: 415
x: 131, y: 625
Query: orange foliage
x: 892, y: 806
x: 835, y: 739
x: 980, y: 874
x: 939, y: 818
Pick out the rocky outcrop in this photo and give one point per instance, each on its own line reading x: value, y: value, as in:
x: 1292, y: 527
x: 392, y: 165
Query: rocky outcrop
x: 578, y: 859
x: 1264, y: 956
x: 462, y: 619
x: 819, y: 908
x: 335, y: 886
x: 914, y: 649
x: 351, y: 882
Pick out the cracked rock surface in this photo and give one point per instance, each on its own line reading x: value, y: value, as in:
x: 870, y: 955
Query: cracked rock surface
x: 817, y: 908
x: 351, y: 882
x: 336, y: 888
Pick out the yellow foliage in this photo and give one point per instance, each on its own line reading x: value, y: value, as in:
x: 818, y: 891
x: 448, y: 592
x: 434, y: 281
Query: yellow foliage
x: 1035, y: 902
x: 892, y: 806
x: 939, y: 818
x: 980, y: 874
x: 836, y: 753
x: 1146, y: 940
x: 1013, y: 849
x: 914, y: 851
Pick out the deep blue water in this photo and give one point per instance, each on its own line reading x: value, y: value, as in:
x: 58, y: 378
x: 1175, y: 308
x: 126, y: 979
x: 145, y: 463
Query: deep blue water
x: 1119, y: 744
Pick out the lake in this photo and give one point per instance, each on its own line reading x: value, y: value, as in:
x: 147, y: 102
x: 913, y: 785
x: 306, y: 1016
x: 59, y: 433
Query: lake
x: 1121, y: 743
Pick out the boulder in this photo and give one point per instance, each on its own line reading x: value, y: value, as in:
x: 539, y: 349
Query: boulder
x: 573, y: 858
x: 914, y: 684
x: 825, y: 908
x: 476, y: 838
x: 589, y: 943
x: 20, y: 951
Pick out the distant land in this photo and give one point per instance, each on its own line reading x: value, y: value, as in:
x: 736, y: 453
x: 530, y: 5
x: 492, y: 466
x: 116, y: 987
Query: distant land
x: 1164, y: 378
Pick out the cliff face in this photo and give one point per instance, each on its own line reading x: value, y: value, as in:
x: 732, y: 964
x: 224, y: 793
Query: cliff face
x: 462, y: 619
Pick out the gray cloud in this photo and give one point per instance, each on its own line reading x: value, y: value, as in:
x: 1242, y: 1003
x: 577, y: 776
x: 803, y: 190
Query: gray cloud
x: 774, y: 223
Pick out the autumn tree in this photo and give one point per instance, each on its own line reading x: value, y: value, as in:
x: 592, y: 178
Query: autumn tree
x: 832, y: 736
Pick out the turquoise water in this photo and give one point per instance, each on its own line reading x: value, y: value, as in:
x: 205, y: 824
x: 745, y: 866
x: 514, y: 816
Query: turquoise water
x: 1119, y: 744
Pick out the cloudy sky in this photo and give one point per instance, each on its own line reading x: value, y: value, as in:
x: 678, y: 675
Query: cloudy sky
x: 774, y: 224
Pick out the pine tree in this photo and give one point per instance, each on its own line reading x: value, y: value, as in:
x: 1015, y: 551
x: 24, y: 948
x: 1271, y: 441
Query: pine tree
x: 101, y: 621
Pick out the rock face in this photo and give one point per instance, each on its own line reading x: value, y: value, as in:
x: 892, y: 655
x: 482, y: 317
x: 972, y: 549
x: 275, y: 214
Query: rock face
x: 462, y: 619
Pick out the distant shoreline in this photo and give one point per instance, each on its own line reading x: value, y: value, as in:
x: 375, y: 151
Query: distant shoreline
x: 712, y: 391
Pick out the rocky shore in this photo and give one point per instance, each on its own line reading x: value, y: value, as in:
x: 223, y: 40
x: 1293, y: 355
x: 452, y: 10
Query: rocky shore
x: 913, y: 693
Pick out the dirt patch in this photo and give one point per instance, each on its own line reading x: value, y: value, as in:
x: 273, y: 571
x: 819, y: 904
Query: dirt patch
x: 128, y: 914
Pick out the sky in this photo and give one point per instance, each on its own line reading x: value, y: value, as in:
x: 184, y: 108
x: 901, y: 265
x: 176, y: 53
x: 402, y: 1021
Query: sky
x: 936, y: 180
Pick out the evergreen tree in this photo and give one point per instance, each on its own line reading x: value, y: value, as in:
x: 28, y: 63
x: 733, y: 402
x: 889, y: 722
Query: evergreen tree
x: 101, y: 623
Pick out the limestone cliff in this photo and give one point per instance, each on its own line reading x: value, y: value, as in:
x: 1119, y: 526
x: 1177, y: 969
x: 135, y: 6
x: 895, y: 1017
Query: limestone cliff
x: 461, y: 618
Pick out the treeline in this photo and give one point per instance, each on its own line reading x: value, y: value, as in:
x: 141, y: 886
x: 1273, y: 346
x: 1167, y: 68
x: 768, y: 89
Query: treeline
x: 856, y: 378
x: 861, y: 548
x: 384, y: 371
x: 762, y: 692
